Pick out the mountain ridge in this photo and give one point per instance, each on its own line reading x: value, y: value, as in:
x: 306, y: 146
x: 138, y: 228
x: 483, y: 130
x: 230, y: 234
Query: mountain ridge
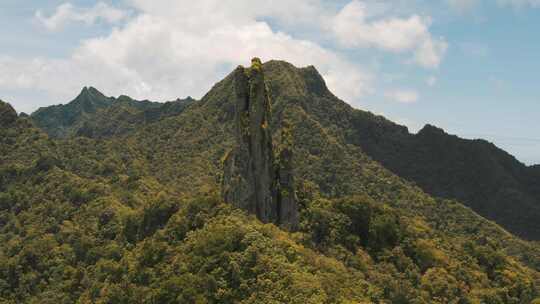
x: 476, y: 172
x: 92, y: 114
x: 489, y: 180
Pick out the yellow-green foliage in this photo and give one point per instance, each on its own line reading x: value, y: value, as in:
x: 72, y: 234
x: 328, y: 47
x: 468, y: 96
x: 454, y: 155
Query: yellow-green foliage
x: 256, y: 64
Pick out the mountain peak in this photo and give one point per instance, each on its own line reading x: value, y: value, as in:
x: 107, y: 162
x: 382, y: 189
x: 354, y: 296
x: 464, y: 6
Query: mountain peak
x: 292, y: 81
x: 90, y: 99
x: 56, y: 120
x: 8, y: 115
x: 431, y: 130
x: 84, y: 91
x: 89, y: 93
x: 314, y: 80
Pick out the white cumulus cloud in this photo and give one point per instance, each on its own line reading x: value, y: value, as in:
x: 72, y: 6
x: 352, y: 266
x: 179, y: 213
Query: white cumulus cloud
x: 354, y: 28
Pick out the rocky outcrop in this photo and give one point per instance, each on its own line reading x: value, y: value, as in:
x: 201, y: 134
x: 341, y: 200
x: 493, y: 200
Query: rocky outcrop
x: 8, y: 116
x: 252, y: 179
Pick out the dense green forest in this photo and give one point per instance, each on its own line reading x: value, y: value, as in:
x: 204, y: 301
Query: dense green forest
x: 136, y: 216
x: 476, y: 172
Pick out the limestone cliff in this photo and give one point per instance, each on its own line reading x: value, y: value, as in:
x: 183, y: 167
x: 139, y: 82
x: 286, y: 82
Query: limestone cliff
x: 252, y: 179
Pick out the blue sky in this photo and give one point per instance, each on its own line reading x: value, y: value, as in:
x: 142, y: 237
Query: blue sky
x: 469, y: 66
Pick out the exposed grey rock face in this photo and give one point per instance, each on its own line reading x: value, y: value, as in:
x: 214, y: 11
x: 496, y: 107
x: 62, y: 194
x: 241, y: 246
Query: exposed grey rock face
x: 7, y: 114
x: 252, y: 180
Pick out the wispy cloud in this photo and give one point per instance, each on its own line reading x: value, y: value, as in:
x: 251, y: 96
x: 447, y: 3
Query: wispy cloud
x: 66, y: 13
x: 403, y: 96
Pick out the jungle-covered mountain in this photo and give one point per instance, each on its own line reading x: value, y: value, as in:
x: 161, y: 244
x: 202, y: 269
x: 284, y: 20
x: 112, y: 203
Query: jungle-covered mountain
x: 138, y: 218
x: 485, y: 178
x: 475, y: 172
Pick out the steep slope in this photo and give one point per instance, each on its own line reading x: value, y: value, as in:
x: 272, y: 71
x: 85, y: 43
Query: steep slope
x: 136, y: 219
x: 476, y: 172
x: 58, y: 120
x: 92, y: 114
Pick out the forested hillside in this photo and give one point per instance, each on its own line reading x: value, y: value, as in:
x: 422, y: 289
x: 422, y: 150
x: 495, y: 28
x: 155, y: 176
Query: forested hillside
x: 91, y: 114
x: 476, y: 172
x: 138, y: 218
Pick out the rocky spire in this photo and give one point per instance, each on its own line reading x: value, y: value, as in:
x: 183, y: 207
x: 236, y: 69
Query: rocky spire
x: 251, y: 179
x: 7, y: 114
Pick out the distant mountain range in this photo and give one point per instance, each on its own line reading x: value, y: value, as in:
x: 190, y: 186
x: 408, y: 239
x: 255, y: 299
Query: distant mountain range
x: 93, y: 114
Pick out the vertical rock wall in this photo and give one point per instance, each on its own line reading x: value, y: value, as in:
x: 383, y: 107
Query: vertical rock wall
x: 252, y: 179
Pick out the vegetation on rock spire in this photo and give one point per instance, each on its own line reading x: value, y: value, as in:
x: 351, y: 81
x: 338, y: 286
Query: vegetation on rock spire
x: 252, y: 180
